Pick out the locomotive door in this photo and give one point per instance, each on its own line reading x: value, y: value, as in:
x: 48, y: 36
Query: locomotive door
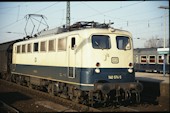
x: 71, y: 56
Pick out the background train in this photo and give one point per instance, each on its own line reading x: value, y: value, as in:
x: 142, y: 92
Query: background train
x: 148, y: 60
x: 87, y: 63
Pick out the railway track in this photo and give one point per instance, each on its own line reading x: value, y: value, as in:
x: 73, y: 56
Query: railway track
x: 119, y: 109
x: 70, y: 104
x: 144, y: 106
x: 61, y: 101
x: 4, y: 108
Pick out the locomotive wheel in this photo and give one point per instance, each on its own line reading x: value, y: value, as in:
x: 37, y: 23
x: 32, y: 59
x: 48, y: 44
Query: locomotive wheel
x: 117, y: 105
x: 29, y: 85
x: 84, y: 101
x: 18, y: 80
x: 51, y: 89
x: 137, y: 97
x: 13, y: 78
x: 75, y: 99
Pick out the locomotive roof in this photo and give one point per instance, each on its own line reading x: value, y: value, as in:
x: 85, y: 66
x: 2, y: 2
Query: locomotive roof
x: 86, y: 32
x: 90, y: 31
x: 85, y: 28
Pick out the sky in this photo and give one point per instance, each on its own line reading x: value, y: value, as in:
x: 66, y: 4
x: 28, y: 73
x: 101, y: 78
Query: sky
x: 142, y: 18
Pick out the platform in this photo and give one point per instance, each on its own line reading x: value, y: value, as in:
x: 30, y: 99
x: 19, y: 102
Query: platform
x: 154, y: 83
x: 157, y: 77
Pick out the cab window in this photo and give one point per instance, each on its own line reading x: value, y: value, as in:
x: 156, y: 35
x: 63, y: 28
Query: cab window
x: 123, y: 42
x: 101, y: 42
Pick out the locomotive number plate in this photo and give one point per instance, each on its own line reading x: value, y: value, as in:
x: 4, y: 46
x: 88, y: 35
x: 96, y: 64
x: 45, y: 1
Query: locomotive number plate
x: 114, y: 77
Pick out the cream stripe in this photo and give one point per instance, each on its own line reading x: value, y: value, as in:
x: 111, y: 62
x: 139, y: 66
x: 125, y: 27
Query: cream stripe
x: 75, y: 83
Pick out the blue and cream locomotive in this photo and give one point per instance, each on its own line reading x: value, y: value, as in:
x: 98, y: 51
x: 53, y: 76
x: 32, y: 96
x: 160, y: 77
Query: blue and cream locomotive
x: 89, y: 62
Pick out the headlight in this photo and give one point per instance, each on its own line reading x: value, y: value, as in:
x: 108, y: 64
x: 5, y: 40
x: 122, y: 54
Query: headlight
x: 130, y: 70
x: 97, y: 70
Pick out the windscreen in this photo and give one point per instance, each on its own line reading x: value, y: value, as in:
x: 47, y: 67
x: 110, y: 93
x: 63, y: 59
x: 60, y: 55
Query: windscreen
x: 123, y: 42
x: 101, y: 42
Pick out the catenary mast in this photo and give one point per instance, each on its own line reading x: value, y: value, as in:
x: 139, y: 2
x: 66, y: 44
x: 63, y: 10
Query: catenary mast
x: 68, y: 14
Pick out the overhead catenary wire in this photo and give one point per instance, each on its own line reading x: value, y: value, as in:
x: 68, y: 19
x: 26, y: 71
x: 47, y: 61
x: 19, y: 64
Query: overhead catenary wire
x: 11, y: 24
x: 8, y: 7
x: 127, y: 21
x: 147, y: 22
x: 23, y: 17
x: 46, y: 7
x: 108, y: 11
x: 18, y: 12
x: 149, y: 31
x: 124, y: 22
x: 83, y: 3
x: 91, y: 8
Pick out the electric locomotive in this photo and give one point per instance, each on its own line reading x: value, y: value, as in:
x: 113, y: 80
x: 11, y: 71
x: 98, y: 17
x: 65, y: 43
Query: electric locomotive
x: 87, y: 62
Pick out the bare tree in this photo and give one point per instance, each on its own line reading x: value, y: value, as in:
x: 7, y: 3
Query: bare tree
x: 156, y: 42
x: 152, y: 42
x: 167, y: 43
x: 160, y: 42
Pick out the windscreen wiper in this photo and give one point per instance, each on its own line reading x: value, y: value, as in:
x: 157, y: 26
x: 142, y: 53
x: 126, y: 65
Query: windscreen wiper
x: 98, y: 45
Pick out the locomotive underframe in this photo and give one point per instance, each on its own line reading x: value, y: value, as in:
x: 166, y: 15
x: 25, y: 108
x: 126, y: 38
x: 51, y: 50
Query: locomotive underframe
x: 104, y: 93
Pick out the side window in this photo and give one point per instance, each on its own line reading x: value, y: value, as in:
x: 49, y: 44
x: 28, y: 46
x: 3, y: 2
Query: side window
x: 152, y: 59
x: 143, y: 59
x: 51, y: 45
x: 36, y: 47
x: 29, y: 46
x: 23, y: 48
x: 43, y: 46
x: 73, y: 42
x: 18, y: 49
x: 62, y: 44
x: 160, y: 59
